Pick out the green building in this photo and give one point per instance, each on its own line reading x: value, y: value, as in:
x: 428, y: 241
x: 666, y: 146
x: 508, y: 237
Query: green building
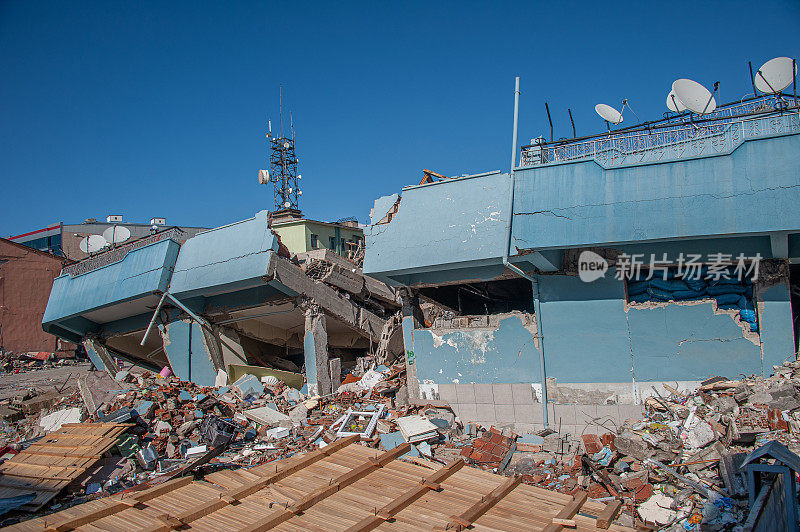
x: 301, y: 235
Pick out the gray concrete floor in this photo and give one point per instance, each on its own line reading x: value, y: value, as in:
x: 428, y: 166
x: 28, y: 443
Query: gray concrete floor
x: 43, y: 380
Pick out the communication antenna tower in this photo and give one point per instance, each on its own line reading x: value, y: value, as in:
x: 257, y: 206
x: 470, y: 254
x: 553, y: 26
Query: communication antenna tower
x: 283, y: 165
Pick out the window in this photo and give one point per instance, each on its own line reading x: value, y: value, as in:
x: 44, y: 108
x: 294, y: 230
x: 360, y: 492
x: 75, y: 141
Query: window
x: 332, y: 242
x: 481, y: 298
x: 314, y: 241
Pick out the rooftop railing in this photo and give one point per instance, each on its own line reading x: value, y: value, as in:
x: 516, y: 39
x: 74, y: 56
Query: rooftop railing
x: 675, y: 138
x: 116, y: 254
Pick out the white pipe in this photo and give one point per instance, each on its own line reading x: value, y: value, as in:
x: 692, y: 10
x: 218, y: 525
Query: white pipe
x: 507, y: 250
x: 153, y: 319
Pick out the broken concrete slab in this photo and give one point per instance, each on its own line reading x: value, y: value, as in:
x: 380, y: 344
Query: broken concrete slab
x: 248, y: 386
x: 268, y: 417
x: 416, y: 428
x: 54, y: 421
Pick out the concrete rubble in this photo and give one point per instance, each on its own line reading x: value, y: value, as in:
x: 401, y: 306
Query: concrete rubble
x: 677, y: 468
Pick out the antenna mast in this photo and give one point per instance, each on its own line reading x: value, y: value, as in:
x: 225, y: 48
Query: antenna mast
x: 283, y: 166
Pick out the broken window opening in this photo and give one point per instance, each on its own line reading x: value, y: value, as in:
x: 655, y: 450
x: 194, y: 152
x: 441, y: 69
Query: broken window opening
x: 314, y: 241
x: 482, y: 298
x: 668, y: 285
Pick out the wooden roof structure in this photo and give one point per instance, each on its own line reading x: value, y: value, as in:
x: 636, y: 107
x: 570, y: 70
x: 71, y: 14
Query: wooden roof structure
x: 54, y: 461
x: 343, y: 487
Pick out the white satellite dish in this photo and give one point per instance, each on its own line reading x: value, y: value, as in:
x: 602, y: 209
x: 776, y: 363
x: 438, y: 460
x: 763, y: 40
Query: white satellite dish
x: 92, y: 243
x: 608, y: 113
x: 775, y: 75
x: 116, y: 234
x: 694, y: 96
x: 263, y: 177
x: 674, y: 104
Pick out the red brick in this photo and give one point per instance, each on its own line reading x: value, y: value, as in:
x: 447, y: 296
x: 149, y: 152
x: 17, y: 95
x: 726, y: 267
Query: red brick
x: 591, y: 443
x: 596, y: 491
x: 466, y: 452
x: 643, y: 493
x: 608, y: 440
x: 497, y: 438
x: 480, y: 456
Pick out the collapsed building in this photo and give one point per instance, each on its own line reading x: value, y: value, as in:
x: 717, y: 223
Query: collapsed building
x: 563, y: 282
x: 226, y: 302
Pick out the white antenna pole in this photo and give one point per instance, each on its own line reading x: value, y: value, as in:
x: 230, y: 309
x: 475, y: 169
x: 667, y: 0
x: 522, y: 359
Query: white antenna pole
x: 516, y: 122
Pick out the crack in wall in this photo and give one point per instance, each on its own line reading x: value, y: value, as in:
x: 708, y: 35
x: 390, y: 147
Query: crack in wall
x: 680, y: 197
x: 544, y: 212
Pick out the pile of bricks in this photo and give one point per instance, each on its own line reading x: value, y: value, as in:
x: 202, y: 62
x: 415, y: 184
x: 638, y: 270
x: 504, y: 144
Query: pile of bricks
x: 491, y: 450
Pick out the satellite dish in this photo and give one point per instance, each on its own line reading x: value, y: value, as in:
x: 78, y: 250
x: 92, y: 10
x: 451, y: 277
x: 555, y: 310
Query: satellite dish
x: 674, y: 104
x: 285, y: 144
x: 608, y: 113
x: 694, y: 96
x: 263, y: 177
x: 775, y: 75
x: 116, y: 234
x: 92, y: 243
x: 287, y: 204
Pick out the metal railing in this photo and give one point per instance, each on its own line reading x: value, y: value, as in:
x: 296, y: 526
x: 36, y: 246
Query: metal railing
x: 104, y: 258
x: 715, y: 133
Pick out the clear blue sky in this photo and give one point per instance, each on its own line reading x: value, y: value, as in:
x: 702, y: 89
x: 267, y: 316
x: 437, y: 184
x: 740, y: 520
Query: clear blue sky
x: 160, y: 108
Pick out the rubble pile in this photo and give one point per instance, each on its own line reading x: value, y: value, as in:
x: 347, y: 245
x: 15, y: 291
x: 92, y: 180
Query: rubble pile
x: 177, y: 426
x: 678, y: 468
x: 34, y: 360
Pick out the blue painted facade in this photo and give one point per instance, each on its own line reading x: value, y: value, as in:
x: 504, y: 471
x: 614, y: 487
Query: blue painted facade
x: 187, y: 353
x: 224, y: 294
x: 741, y: 201
x: 138, y: 276
x: 223, y: 269
x: 225, y: 259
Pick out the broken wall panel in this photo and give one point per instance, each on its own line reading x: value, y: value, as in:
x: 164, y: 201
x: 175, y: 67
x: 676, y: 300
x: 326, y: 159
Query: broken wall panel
x: 188, y: 355
x: 602, y: 355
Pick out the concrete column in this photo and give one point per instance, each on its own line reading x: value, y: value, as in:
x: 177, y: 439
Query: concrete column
x: 315, y: 345
x: 336, y: 373
x: 100, y: 356
x: 411, y: 320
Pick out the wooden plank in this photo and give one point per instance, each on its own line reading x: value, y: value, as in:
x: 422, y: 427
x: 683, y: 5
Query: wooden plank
x: 348, y: 478
x: 609, y: 513
x: 28, y: 488
x: 310, y: 458
x: 342, y: 481
x: 233, y: 495
x: 315, y: 498
x: 85, y: 519
x: 61, y: 455
x: 37, y: 476
x: 122, y: 503
x: 156, y: 491
x: 568, y: 512
x: 407, y: 498
x: 470, y: 515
